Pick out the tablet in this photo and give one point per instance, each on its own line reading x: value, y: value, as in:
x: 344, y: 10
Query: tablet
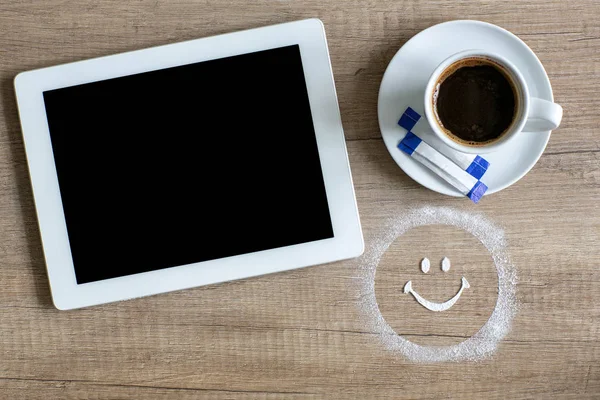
x: 188, y: 164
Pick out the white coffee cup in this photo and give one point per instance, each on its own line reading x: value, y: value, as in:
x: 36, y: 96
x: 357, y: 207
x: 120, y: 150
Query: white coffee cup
x: 531, y: 115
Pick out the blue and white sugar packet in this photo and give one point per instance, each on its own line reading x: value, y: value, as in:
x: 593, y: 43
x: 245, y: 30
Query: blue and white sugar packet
x: 475, y: 165
x: 466, y: 183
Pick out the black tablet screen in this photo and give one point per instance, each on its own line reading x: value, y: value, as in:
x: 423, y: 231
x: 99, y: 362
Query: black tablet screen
x: 188, y: 164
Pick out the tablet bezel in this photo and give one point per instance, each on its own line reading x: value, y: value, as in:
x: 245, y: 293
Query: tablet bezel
x: 346, y: 243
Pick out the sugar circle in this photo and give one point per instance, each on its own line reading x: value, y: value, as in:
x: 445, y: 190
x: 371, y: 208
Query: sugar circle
x: 485, y: 341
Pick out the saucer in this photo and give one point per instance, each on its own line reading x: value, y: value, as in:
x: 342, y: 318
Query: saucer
x: 404, y: 82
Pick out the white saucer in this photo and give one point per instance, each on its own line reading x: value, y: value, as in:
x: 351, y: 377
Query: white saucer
x: 404, y: 82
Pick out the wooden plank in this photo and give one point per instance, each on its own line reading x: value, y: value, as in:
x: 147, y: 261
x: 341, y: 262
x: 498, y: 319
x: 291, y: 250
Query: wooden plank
x: 301, y: 334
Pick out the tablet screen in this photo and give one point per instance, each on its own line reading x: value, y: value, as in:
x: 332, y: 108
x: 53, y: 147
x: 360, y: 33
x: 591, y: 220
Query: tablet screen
x: 188, y: 164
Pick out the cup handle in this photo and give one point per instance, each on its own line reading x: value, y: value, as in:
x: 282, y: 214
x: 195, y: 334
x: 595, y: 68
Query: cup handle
x: 543, y: 116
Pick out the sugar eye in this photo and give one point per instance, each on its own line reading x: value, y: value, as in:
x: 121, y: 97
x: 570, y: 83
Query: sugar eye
x: 425, y: 265
x: 445, y: 264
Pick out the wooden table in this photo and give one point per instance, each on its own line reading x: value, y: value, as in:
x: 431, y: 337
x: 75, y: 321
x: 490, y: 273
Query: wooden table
x: 299, y: 335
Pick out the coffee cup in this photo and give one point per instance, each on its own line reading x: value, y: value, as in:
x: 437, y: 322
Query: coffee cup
x: 477, y: 101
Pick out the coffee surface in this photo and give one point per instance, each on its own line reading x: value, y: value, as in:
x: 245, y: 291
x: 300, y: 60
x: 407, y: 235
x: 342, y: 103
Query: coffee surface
x: 476, y: 103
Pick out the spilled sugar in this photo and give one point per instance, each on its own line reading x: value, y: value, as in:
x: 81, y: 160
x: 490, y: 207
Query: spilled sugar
x: 483, y: 343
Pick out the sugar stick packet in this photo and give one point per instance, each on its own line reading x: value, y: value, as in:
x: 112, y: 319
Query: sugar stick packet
x: 473, y: 164
x: 467, y: 184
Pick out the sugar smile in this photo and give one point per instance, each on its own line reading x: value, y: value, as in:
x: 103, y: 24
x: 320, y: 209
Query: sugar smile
x: 433, y: 306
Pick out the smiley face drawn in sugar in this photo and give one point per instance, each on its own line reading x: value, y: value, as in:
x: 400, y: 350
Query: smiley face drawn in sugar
x: 431, y: 305
x: 471, y: 316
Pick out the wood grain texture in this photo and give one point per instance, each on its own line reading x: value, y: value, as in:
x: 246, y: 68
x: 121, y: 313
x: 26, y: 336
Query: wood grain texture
x: 298, y: 335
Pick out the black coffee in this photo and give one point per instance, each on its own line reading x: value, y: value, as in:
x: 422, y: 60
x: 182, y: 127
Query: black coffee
x: 476, y: 101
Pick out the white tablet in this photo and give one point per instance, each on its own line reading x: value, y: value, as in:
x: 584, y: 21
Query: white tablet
x: 188, y: 164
